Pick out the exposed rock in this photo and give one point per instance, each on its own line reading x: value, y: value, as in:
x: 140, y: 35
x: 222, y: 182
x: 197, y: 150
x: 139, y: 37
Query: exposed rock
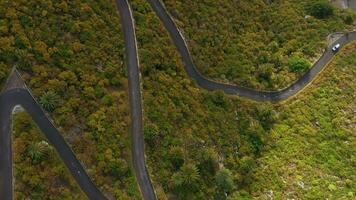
x: 301, y: 184
x: 269, y: 194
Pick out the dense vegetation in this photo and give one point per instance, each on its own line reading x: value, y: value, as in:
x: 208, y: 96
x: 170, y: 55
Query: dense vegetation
x: 252, y: 42
x: 202, y: 144
x: 199, y: 144
x: 311, y: 154
x: 32, y: 154
x: 71, y: 56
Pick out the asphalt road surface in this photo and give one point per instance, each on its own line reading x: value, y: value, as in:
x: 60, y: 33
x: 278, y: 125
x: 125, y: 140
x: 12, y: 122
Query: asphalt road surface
x: 205, y: 83
x: 138, y: 152
x: 21, y: 96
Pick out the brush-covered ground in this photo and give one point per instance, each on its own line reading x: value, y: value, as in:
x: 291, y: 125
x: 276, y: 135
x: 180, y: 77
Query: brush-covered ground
x: 71, y: 57
x: 70, y: 53
x: 199, y: 144
x: 38, y: 171
x: 254, y: 43
x: 312, y: 148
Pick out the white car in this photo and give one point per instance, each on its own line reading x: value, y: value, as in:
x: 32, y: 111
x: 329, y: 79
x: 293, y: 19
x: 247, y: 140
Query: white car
x: 336, y: 47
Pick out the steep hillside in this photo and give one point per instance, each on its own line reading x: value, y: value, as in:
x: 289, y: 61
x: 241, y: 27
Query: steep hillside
x: 70, y: 54
x: 254, y: 43
x: 38, y: 171
x: 199, y: 144
x: 312, y: 150
x: 192, y: 135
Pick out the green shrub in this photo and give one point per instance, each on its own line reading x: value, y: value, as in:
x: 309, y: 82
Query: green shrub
x: 321, y: 10
x: 299, y: 65
x: 185, y: 181
x: 224, y: 182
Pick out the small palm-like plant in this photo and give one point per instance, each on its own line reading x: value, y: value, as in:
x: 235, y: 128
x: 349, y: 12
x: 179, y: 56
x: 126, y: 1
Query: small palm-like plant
x: 185, y: 181
x: 187, y: 175
x: 37, y: 151
x: 49, y: 100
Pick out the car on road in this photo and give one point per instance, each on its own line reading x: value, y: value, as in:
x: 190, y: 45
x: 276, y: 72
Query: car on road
x: 336, y: 47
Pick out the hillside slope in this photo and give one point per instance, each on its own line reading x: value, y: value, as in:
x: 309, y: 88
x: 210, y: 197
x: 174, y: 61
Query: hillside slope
x: 312, y: 150
x: 199, y: 144
x: 254, y: 43
x: 71, y: 57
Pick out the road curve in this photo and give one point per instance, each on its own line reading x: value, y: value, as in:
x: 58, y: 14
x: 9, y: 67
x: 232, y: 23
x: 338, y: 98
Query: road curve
x: 138, y: 152
x: 142, y: 175
x: 21, y: 96
x: 205, y: 83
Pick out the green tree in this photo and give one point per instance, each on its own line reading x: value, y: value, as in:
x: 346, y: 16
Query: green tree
x: 208, y: 162
x: 185, y: 180
x: 176, y: 157
x: 246, y: 165
x: 299, y: 65
x: 224, y: 183
x: 321, y: 10
x: 49, y: 100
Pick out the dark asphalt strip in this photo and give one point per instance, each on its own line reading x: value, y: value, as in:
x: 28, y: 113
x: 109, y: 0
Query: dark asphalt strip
x: 8, y: 100
x: 205, y: 83
x: 138, y: 152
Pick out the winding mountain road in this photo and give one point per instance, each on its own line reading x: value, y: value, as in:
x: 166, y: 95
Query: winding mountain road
x: 205, y: 83
x: 16, y: 93
x: 20, y: 95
